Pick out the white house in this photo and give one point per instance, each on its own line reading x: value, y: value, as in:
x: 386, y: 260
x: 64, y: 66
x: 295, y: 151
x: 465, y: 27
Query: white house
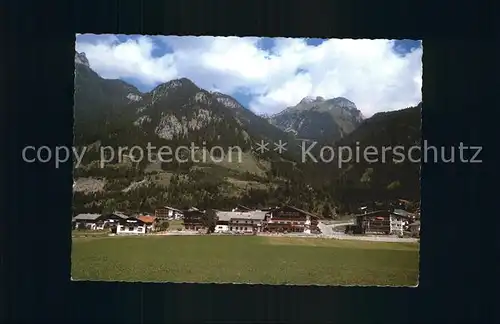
x: 111, y: 220
x: 396, y: 225
x: 291, y: 219
x: 86, y: 221
x: 400, y: 220
x: 149, y: 221
x: 131, y: 226
x: 382, y: 222
x: 97, y: 221
x: 240, y: 222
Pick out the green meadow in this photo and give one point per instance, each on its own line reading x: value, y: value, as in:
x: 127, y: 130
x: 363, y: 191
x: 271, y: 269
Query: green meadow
x: 245, y: 259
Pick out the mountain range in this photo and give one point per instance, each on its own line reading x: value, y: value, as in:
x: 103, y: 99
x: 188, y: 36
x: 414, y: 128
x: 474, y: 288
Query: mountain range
x: 319, y: 119
x: 178, y: 112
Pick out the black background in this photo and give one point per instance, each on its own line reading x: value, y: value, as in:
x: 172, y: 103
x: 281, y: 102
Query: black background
x: 458, y: 250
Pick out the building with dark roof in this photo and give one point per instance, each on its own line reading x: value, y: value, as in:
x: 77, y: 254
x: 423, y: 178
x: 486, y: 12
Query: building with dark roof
x: 193, y: 220
x: 168, y: 213
x: 381, y: 222
x: 291, y: 219
x: 97, y: 221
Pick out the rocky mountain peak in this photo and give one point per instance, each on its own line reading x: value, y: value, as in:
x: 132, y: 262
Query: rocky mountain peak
x: 186, y: 82
x: 227, y: 101
x: 311, y: 99
x: 317, y: 118
x: 176, y: 83
x: 348, y: 106
x: 343, y: 102
x: 81, y: 58
x: 173, y: 85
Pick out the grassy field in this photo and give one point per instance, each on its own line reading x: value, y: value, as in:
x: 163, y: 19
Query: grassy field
x: 89, y: 233
x: 245, y: 259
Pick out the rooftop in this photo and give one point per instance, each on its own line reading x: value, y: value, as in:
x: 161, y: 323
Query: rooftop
x: 253, y: 215
x: 120, y: 214
x: 401, y: 212
x: 86, y: 216
x: 147, y: 219
x: 172, y: 208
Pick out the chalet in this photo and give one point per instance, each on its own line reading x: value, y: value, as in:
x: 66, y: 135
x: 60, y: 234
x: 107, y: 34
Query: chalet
x: 380, y: 222
x: 240, y: 222
x: 168, y: 213
x: 193, y: 219
x: 86, y: 221
x: 131, y: 226
x: 247, y: 222
x: 149, y: 221
x: 111, y: 220
x: 290, y: 219
x: 98, y: 221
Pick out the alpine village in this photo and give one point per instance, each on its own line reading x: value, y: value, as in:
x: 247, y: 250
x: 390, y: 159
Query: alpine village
x: 265, y: 193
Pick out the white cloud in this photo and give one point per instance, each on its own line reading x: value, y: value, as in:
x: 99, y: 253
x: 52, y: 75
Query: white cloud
x: 368, y: 72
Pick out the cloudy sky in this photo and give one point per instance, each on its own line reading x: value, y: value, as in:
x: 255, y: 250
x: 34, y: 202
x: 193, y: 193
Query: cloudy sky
x: 267, y: 75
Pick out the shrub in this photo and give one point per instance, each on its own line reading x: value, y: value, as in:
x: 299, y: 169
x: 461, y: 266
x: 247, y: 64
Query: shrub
x: 163, y: 226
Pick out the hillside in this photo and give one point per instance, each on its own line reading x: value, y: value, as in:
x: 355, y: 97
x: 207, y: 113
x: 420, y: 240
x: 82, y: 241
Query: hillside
x: 100, y: 104
x: 389, y: 179
x: 114, y: 113
x: 178, y: 112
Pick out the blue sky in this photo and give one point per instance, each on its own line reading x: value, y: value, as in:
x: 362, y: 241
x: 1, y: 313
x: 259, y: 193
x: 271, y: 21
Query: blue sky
x: 265, y: 74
